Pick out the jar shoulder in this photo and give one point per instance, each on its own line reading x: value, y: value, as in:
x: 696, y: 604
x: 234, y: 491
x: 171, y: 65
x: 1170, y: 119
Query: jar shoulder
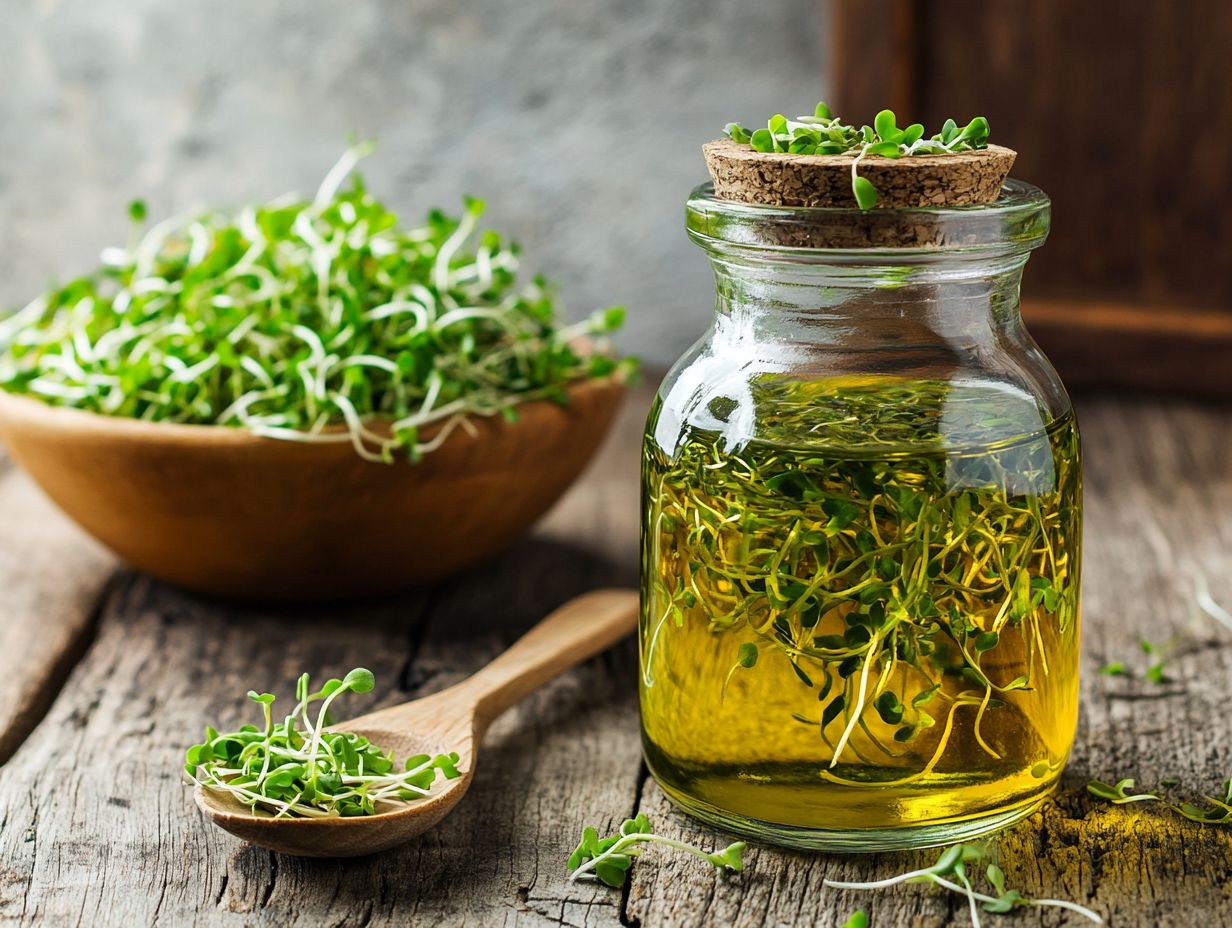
x: 802, y: 395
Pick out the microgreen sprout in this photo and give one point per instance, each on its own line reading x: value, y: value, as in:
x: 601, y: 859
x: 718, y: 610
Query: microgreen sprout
x: 951, y: 871
x: 301, y: 767
x: 319, y: 320
x: 1156, y: 671
x: 1119, y: 793
x: 921, y: 599
x: 857, y: 919
x: 825, y: 134
x: 608, y: 859
x: 1217, y: 811
x: 1159, y: 655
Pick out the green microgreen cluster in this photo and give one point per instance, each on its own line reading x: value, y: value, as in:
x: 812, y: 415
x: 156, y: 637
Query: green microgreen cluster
x: 1159, y: 655
x: 1156, y: 670
x: 609, y: 859
x: 953, y: 871
x: 1217, y: 811
x: 886, y: 580
x: 321, y: 320
x: 300, y: 767
x: 824, y: 134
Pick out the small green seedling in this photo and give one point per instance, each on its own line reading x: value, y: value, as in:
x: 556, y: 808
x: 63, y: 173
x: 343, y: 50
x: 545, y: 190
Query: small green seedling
x: 953, y: 870
x: 825, y: 134
x: 300, y: 767
x: 609, y: 859
x: 1119, y: 793
x: 1216, y: 811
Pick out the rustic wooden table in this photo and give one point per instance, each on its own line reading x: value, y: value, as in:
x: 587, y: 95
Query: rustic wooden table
x: 106, y: 675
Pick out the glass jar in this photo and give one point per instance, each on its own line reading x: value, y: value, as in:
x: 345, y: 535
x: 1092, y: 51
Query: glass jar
x: 861, y: 532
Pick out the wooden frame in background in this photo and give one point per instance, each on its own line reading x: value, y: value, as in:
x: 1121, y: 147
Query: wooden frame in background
x: 1134, y: 288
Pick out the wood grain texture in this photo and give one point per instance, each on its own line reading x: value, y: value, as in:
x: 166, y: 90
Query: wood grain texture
x: 51, y: 577
x: 84, y: 841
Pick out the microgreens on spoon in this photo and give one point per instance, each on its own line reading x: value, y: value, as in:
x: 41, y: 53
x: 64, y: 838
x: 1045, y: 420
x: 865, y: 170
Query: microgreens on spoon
x: 310, y: 320
x: 825, y: 134
x: 299, y: 767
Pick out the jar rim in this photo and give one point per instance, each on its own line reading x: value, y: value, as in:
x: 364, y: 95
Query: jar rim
x: 1015, y: 223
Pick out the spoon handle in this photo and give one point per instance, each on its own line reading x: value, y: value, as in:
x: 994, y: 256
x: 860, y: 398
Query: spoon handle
x: 580, y: 629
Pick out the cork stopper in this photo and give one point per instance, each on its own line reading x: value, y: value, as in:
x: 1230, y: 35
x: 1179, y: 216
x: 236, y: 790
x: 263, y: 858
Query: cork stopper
x: 773, y: 179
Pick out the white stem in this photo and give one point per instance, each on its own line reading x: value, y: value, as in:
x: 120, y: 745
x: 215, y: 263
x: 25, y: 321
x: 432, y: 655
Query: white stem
x: 859, y: 708
x: 637, y: 838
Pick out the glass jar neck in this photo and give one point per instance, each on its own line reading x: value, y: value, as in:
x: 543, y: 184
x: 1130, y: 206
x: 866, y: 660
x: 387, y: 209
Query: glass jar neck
x: 937, y: 302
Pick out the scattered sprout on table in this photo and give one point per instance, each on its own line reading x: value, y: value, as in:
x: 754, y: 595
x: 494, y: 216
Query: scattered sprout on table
x: 824, y: 134
x: 301, y: 767
x: 1119, y: 793
x: 321, y: 320
x: 951, y: 871
x: 1216, y: 811
x: 608, y: 859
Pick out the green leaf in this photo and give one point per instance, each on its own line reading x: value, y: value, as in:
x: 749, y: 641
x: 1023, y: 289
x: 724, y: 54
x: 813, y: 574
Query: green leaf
x: 832, y: 710
x: 865, y: 193
x: 762, y: 140
x: 884, y: 126
x: 884, y: 149
x: 889, y: 708
x: 747, y: 655
x: 1157, y: 674
x: 912, y: 134
x: 360, y: 680
x: 821, y: 111
x: 777, y: 124
x: 736, y: 132
x: 137, y: 210
x: 857, y: 919
x: 925, y: 695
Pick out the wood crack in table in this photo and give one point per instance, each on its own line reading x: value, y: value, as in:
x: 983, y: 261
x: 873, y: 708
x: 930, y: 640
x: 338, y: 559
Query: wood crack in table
x: 96, y: 827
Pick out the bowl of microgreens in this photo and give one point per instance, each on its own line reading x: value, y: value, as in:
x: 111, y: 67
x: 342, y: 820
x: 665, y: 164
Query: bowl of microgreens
x: 304, y: 399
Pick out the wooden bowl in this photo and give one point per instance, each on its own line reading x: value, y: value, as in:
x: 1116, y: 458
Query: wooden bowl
x: 222, y: 511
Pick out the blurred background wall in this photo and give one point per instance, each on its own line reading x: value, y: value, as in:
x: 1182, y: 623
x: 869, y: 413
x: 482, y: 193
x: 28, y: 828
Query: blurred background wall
x: 579, y: 121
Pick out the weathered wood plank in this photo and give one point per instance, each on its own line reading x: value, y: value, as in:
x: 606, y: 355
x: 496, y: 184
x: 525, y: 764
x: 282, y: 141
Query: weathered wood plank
x: 84, y: 840
x: 92, y: 835
x: 51, y: 578
x: 1158, y: 495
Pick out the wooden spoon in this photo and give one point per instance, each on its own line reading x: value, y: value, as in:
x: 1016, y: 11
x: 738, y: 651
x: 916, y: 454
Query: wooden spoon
x: 451, y: 720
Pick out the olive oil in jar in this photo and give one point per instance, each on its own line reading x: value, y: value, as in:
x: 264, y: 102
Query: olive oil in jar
x: 866, y: 617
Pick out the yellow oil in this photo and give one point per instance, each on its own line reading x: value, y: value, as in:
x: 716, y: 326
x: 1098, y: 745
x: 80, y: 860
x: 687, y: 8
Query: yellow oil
x: 907, y: 660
